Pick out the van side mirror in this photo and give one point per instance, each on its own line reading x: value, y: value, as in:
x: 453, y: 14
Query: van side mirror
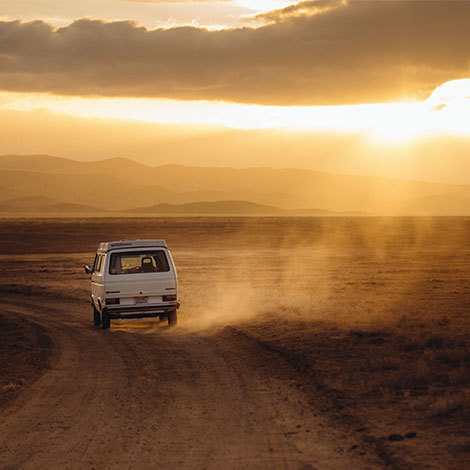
x: 87, y: 269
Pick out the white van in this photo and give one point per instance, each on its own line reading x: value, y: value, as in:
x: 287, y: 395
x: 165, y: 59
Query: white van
x: 133, y: 279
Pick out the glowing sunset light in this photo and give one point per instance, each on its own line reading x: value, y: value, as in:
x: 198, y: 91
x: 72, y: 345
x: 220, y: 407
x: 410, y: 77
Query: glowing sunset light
x: 347, y: 86
x: 447, y: 110
x: 264, y: 5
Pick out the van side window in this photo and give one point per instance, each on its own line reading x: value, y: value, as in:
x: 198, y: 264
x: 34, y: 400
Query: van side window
x: 99, y: 268
x: 95, y: 263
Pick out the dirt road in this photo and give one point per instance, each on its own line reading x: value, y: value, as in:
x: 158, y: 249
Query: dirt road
x: 142, y: 395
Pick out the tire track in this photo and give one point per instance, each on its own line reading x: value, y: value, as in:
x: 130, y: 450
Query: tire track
x: 131, y: 397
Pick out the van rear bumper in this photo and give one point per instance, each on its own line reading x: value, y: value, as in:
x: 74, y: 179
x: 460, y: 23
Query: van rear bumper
x: 145, y: 311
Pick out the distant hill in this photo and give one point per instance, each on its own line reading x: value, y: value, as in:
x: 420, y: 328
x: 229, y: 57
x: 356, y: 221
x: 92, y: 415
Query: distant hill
x: 122, y: 185
x: 50, y: 164
x: 43, y: 205
x: 228, y: 208
x: 40, y: 204
x: 218, y: 207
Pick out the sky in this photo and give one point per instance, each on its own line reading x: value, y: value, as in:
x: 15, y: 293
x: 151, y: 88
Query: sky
x: 151, y: 14
x: 157, y: 78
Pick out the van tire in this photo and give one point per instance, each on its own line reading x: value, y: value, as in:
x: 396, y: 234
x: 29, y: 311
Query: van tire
x: 172, y: 318
x: 96, y: 317
x: 105, y: 320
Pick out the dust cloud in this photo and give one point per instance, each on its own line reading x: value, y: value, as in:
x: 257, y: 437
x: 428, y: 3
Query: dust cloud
x: 353, y: 271
x: 350, y: 271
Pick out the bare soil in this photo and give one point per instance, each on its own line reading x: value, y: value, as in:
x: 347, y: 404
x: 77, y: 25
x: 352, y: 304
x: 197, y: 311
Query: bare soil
x: 303, y: 343
x: 25, y: 354
x: 144, y: 396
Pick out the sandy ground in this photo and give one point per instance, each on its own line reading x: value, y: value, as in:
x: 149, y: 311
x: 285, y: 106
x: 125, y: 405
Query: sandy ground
x: 355, y: 329
x: 141, y: 395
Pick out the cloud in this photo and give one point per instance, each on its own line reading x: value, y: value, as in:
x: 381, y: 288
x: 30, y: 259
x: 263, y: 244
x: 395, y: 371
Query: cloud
x: 308, y: 8
x: 356, y: 52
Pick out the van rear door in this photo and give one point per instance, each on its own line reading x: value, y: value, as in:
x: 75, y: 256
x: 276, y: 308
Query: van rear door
x: 141, y: 276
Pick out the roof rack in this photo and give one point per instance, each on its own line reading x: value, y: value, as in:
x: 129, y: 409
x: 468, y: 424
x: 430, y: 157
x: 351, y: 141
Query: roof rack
x: 125, y: 244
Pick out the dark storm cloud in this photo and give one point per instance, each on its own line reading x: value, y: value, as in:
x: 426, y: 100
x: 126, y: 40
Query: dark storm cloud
x: 359, y: 52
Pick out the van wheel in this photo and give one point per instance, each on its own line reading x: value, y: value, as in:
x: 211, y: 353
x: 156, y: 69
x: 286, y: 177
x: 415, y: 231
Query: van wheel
x: 105, y: 320
x: 96, y: 317
x: 172, y: 318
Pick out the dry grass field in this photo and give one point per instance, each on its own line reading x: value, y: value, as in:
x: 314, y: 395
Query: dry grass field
x: 373, y: 312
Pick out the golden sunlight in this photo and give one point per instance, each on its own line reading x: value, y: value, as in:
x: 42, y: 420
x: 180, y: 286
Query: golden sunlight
x: 307, y: 163
x: 446, y: 111
x: 262, y: 6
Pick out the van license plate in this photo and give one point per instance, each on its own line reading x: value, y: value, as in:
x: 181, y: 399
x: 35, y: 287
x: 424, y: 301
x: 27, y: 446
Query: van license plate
x: 141, y: 300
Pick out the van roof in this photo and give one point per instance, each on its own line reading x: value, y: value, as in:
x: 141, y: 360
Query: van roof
x: 121, y: 244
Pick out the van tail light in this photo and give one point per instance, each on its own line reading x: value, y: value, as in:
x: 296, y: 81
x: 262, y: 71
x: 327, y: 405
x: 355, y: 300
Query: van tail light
x: 169, y: 298
x: 112, y: 301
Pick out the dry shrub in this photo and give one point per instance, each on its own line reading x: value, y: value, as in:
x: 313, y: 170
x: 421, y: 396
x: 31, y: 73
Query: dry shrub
x: 408, y: 378
x: 13, y: 385
x: 368, y: 333
x: 455, y: 356
x: 459, y: 375
x: 450, y: 406
x: 430, y: 340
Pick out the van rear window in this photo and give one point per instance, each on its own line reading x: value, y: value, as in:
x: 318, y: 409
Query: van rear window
x: 139, y: 262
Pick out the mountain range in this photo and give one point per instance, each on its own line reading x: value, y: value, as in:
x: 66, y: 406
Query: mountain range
x: 35, y: 184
